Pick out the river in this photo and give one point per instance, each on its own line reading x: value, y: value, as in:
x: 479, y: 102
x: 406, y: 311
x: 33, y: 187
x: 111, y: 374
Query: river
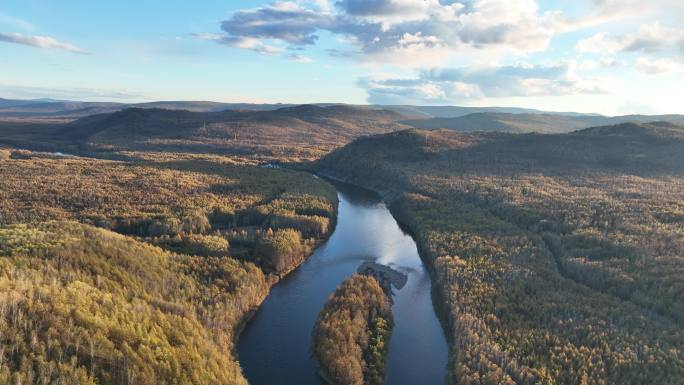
x: 275, y: 347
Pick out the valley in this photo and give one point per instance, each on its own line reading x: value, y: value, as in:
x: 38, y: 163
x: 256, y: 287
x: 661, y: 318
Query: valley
x: 538, y: 257
x: 342, y: 192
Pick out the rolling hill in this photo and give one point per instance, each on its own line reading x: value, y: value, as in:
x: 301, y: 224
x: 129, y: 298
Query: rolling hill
x: 304, y: 131
x: 535, y: 122
x: 465, y: 119
x: 48, y: 108
x: 274, y: 131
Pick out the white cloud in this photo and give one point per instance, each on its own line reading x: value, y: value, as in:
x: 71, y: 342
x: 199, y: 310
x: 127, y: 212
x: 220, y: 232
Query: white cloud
x: 418, y: 91
x: 247, y: 43
x: 657, y: 66
x: 649, y: 38
x: 252, y: 44
x: 600, y: 43
x: 455, y: 85
x: 413, y: 33
x: 388, y: 12
x: 605, y: 62
x: 45, y: 42
x: 382, y: 30
x: 286, y: 21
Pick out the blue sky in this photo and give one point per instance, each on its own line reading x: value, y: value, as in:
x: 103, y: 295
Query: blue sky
x: 607, y: 56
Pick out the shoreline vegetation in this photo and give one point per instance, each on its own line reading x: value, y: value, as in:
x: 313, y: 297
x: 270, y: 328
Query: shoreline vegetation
x: 143, y: 272
x: 352, y: 333
x: 552, y: 266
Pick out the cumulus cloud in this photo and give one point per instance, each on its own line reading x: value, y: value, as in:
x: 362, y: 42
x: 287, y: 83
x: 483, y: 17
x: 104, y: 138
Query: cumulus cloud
x: 657, y: 66
x: 434, y: 30
x: 390, y: 11
x: 609, y: 11
x: 649, y: 38
x: 45, y: 42
x: 385, y: 29
x: 422, y: 33
x: 382, y: 7
x: 453, y: 85
x: 285, y: 21
x: 418, y: 91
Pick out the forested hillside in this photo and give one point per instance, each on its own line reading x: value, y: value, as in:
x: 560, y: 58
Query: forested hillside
x: 558, y: 258
x: 80, y: 305
x: 199, y: 244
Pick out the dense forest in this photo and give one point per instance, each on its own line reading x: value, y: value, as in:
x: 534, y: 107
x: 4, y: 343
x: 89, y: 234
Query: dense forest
x: 558, y: 258
x: 142, y: 272
x: 81, y: 305
x: 194, y: 207
x: 351, y: 336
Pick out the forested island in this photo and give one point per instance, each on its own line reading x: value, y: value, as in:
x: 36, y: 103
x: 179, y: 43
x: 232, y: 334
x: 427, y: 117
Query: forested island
x: 351, y: 337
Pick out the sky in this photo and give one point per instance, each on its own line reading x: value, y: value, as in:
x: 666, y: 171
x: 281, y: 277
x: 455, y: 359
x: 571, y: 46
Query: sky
x: 603, y: 56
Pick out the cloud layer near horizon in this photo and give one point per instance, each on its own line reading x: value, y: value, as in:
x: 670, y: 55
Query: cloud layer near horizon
x: 446, y: 85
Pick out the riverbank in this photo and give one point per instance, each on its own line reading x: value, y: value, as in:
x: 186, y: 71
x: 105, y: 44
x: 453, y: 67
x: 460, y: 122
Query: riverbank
x: 392, y: 197
x: 274, y: 279
x: 280, y: 334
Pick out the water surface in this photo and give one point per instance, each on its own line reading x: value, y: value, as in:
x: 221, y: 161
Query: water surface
x: 275, y: 347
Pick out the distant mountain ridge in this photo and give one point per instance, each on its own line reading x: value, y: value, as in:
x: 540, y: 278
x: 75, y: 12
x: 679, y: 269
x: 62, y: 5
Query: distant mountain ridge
x: 525, y: 122
x: 323, y: 122
x: 12, y: 107
x: 51, y: 107
x: 76, y: 109
x: 307, y: 130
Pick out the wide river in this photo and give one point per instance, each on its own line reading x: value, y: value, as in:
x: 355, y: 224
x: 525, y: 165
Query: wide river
x: 275, y: 347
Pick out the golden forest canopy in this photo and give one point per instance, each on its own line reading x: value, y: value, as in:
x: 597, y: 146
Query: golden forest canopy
x: 195, y: 207
x: 82, y: 305
x: 157, y: 291
x: 558, y: 258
